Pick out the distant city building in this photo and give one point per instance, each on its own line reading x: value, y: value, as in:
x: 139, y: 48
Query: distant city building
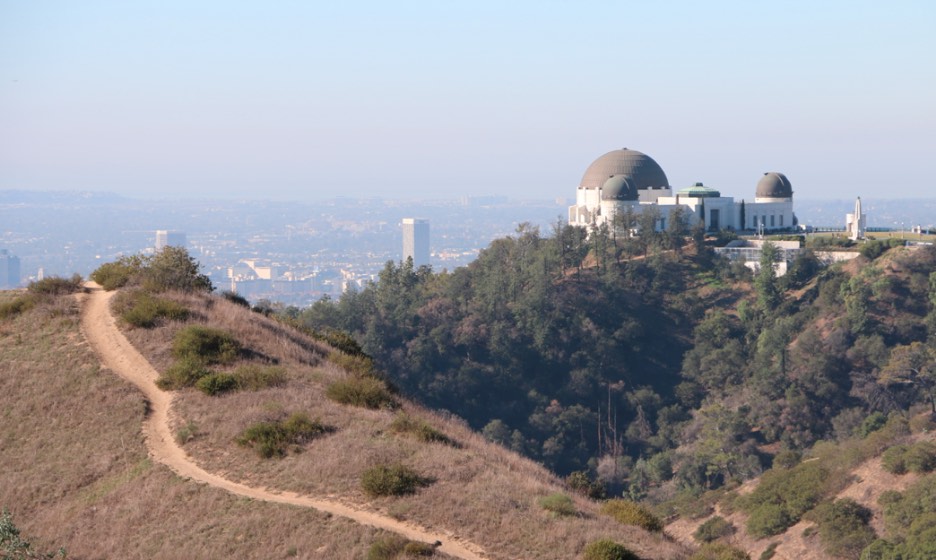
x: 856, y: 222
x: 165, y: 238
x: 627, y: 181
x: 9, y: 270
x: 416, y: 241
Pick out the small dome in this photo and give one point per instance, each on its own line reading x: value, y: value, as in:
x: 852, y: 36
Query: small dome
x: 774, y: 185
x: 639, y: 169
x: 699, y: 190
x: 618, y: 187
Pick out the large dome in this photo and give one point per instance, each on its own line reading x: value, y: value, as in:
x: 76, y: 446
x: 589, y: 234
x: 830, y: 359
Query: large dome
x: 639, y: 170
x: 774, y: 185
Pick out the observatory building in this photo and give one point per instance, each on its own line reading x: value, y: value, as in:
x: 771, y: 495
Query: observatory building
x: 623, y: 181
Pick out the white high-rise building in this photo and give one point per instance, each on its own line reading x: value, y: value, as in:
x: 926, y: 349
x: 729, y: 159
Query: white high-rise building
x: 165, y: 238
x: 416, y: 241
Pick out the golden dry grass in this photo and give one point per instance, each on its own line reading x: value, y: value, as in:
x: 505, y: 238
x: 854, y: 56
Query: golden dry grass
x: 74, y: 470
x: 482, y: 492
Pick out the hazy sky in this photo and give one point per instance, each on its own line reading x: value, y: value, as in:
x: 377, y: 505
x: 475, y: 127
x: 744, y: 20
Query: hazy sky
x: 313, y: 99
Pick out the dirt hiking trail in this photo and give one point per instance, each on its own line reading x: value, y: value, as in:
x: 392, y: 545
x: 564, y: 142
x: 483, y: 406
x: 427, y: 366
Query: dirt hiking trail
x: 100, y: 329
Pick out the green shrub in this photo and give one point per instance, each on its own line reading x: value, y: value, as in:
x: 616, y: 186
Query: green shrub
x: 216, y: 383
x: 627, y: 512
x: 209, y: 345
x: 366, y: 392
x: 249, y: 377
x: 921, y: 457
x: 874, y: 422
x: 187, y: 433
x: 767, y: 520
x: 387, y: 548
x: 172, y: 268
x: 416, y: 548
x: 786, y: 459
x: 918, y: 458
x: 713, y: 529
x: 391, y: 480
x: 606, y: 549
x: 923, y: 423
x: 843, y: 527
x: 558, y: 504
x: 874, y: 249
x: 393, y: 547
x: 56, y: 286
x: 783, y: 496
x: 14, y: 547
x: 719, y: 551
x: 340, y: 340
x: 581, y: 483
x: 236, y: 299
x: 143, y: 310
x: 17, y: 305
x: 183, y: 373
x: 770, y: 551
x: 420, y: 429
x: 272, y: 439
x: 893, y: 459
x: 360, y: 365
x: 253, y: 377
x: 118, y: 274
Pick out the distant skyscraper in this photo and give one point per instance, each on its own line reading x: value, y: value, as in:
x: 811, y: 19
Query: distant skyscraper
x: 9, y: 270
x: 416, y: 240
x: 166, y: 238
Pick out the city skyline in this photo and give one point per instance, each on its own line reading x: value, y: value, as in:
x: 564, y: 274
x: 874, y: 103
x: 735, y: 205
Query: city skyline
x: 306, y: 101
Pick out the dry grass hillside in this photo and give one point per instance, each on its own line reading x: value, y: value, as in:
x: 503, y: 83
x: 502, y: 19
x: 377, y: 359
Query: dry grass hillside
x: 74, y: 469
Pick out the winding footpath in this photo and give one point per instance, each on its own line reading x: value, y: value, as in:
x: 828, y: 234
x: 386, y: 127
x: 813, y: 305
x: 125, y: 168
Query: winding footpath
x: 100, y: 329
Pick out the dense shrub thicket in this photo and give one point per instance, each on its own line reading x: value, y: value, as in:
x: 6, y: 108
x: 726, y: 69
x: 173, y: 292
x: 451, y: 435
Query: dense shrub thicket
x: 910, y: 520
x: 572, y: 351
x: 843, y: 527
x: 918, y: 458
x: 782, y: 497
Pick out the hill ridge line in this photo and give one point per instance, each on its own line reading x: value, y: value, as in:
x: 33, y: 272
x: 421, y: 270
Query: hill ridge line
x: 99, y: 328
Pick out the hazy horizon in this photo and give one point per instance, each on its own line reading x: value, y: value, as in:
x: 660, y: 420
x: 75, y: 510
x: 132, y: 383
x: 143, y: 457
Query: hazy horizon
x: 301, y: 101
